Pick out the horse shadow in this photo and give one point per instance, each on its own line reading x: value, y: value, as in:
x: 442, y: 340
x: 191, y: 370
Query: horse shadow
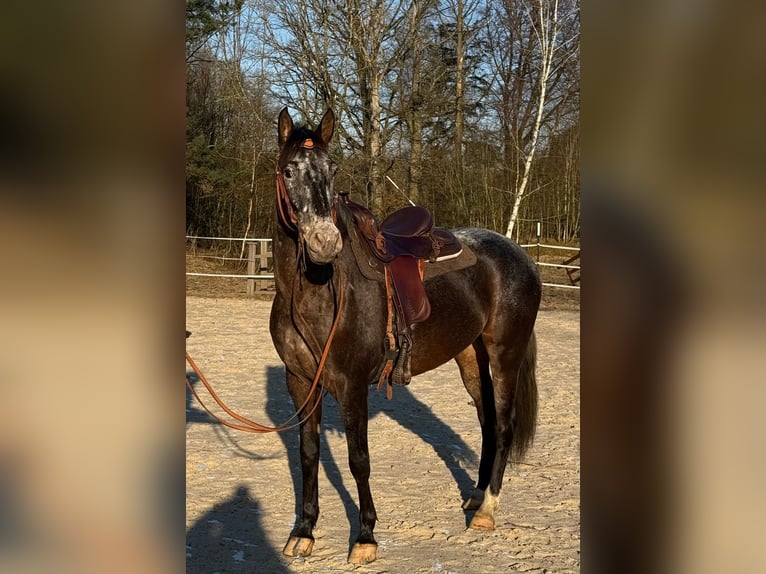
x: 405, y: 409
x: 229, y: 538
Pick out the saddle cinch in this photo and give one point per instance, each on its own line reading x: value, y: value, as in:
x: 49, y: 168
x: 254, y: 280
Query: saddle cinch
x: 395, y: 251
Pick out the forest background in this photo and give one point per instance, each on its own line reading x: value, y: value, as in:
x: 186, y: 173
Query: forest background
x: 467, y: 107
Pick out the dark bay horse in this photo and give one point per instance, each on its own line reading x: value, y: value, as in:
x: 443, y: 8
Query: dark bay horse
x: 482, y: 316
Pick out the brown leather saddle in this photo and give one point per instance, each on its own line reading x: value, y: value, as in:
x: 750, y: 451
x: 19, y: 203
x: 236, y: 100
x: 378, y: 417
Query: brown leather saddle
x: 395, y: 251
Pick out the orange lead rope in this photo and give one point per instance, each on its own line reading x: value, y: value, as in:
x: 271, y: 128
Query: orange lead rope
x: 252, y: 426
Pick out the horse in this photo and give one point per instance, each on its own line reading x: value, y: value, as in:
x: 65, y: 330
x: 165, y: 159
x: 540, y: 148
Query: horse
x: 327, y: 316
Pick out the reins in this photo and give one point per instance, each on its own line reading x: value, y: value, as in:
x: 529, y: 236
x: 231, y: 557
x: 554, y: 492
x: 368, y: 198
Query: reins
x: 252, y: 426
x: 287, y: 216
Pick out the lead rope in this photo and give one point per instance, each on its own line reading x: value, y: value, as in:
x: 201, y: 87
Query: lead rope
x: 252, y: 426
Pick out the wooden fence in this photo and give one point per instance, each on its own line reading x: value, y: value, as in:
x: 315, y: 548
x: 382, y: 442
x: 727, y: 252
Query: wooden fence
x: 259, y: 275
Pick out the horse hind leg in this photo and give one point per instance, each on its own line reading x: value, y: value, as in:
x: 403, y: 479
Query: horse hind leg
x: 473, y: 363
x: 515, y: 402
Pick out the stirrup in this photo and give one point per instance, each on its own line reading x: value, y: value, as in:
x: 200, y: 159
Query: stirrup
x: 402, y: 375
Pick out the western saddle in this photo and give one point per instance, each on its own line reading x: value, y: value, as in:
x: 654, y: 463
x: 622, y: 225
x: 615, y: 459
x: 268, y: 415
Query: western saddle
x: 400, y: 245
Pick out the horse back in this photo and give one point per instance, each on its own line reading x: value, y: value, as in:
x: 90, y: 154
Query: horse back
x: 502, y: 286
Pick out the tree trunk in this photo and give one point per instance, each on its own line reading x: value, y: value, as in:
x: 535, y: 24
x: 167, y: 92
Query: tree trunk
x: 547, y: 38
x: 459, y: 91
x: 415, y: 122
x: 376, y: 188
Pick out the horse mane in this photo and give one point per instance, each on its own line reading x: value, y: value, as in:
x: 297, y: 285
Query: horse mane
x: 345, y: 218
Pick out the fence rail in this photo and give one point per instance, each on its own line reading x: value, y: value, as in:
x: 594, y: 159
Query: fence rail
x: 259, y: 253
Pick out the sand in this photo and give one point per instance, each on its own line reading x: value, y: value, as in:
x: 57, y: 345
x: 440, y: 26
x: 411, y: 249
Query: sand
x: 424, y: 444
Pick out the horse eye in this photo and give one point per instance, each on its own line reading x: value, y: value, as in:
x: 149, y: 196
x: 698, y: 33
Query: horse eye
x: 288, y: 172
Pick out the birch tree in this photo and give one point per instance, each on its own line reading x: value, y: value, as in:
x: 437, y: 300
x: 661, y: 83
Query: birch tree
x: 545, y: 30
x: 545, y: 25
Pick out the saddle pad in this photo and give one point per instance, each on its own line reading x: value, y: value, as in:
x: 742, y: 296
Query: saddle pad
x: 467, y: 258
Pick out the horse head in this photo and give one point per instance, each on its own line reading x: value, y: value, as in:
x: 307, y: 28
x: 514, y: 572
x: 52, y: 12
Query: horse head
x: 305, y: 196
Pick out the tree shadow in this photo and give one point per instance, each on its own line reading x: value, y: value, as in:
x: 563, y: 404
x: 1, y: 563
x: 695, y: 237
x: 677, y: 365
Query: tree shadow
x: 229, y: 538
x: 404, y: 408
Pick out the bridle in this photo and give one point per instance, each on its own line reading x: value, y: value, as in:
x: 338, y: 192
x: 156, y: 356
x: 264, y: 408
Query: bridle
x: 286, y: 212
x: 289, y: 219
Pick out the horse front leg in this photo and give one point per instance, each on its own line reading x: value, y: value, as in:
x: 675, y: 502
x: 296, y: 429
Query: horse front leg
x: 301, y: 541
x: 354, y: 412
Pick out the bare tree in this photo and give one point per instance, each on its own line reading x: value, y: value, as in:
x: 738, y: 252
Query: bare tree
x: 459, y: 87
x: 532, y: 46
x: 470, y: 105
x: 414, y: 112
x: 227, y: 149
x: 345, y: 52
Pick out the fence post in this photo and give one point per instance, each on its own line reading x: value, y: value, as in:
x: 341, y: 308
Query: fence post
x: 264, y: 262
x: 251, y: 245
x: 538, y: 241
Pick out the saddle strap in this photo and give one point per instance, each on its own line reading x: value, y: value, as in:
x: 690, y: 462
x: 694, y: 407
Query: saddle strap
x: 388, y: 366
x: 407, y: 278
x: 396, y: 367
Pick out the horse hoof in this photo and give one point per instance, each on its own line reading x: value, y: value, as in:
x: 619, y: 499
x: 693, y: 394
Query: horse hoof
x: 363, y: 553
x: 482, y: 522
x: 297, y: 546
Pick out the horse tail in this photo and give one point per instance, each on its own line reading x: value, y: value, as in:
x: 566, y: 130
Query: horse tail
x: 525, y: 403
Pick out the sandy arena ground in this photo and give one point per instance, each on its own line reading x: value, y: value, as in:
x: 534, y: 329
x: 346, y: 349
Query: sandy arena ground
x: 424, y: 445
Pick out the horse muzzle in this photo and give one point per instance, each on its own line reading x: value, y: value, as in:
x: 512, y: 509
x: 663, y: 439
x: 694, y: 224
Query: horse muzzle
x: 323, y: 241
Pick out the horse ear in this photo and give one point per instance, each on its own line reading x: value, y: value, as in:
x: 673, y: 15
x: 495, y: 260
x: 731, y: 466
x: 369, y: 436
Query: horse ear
x: 327, y: 126
x: 285, y: 125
